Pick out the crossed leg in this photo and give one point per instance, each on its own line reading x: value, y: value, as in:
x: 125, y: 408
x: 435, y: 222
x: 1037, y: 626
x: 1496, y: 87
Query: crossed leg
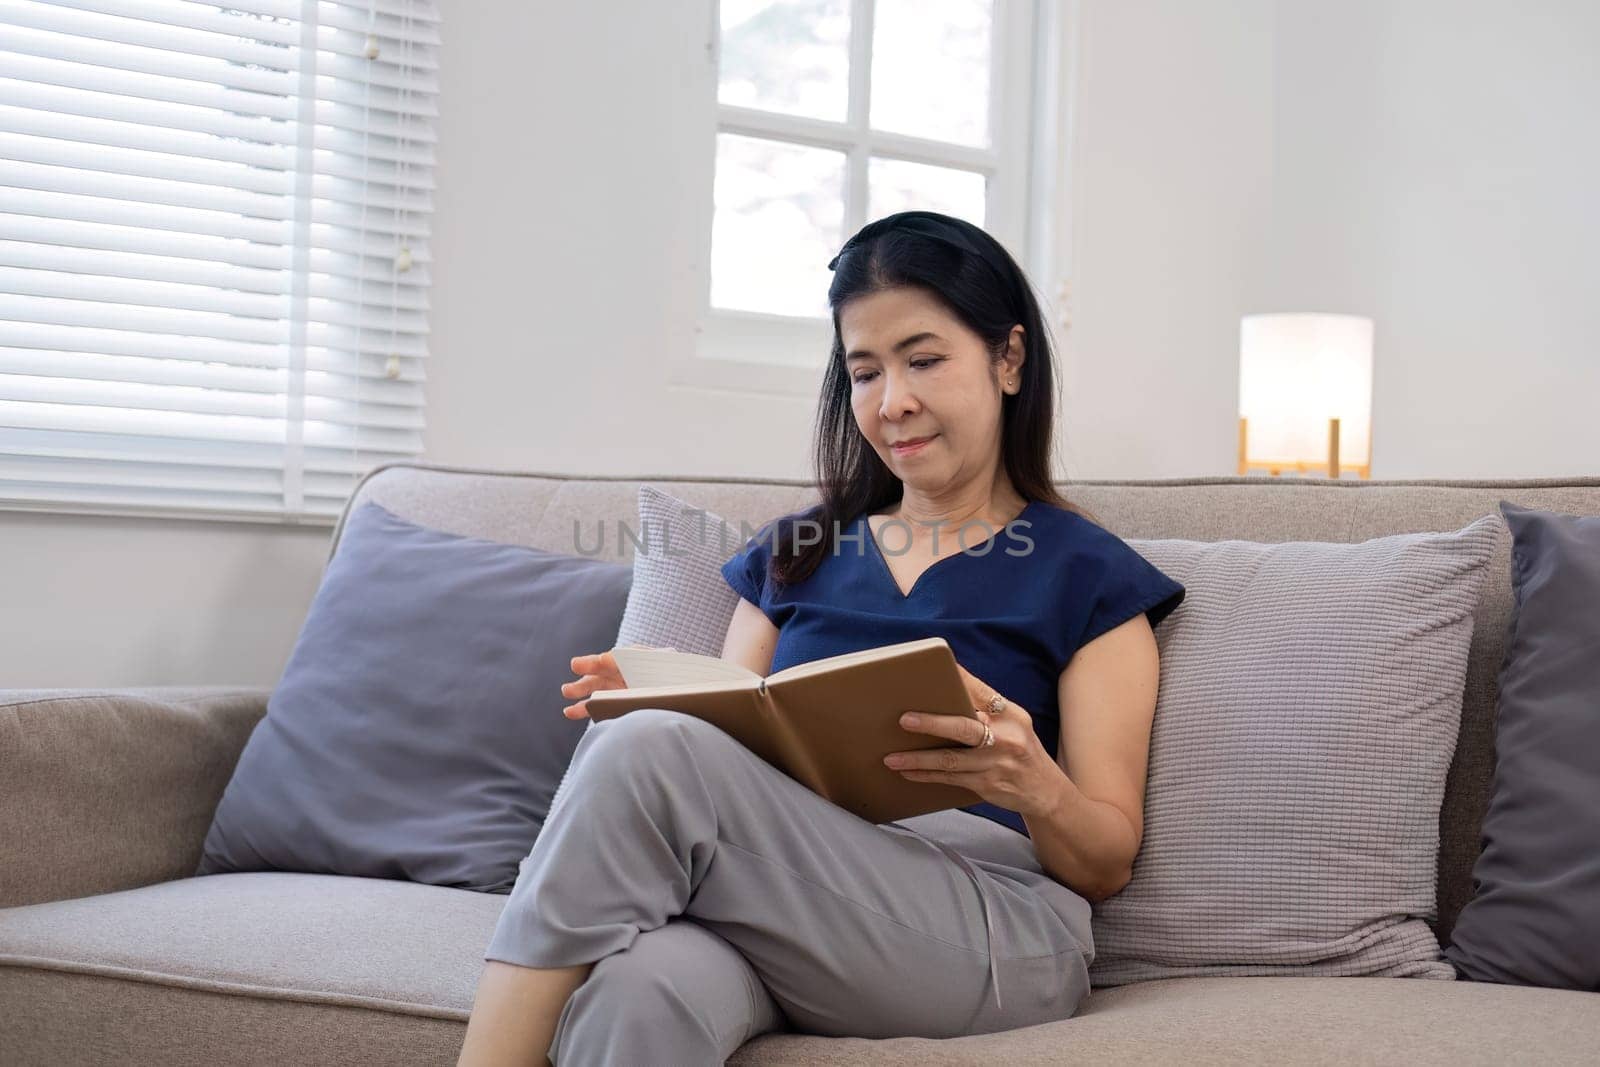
x: 851, y: 928
x: 678, y: 994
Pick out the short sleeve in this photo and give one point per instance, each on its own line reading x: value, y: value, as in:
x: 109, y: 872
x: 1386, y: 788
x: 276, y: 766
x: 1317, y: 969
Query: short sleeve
x: 1127, y: 585
x: 746, y: 572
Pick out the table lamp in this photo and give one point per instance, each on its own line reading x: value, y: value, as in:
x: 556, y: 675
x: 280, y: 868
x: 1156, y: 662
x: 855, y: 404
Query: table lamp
x: 1305, y: 394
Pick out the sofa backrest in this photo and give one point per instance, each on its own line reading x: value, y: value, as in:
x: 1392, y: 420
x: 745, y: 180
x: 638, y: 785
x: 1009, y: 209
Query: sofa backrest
x: 549, y: 511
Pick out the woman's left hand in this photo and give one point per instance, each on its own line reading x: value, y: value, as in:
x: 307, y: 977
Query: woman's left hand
x: 1015, y: 772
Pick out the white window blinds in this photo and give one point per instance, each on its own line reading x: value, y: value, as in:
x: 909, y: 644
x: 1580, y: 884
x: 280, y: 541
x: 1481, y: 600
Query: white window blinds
x: 213, y: 251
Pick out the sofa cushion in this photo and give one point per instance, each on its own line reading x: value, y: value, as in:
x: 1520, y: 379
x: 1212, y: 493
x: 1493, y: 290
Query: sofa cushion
x: 1536, y: 917
x: 319, y: 969
x: 372, y: 942
x: 1226, y: 1021
x: 417, y: 731
x: 249, y: 968
x: 1310, y: 695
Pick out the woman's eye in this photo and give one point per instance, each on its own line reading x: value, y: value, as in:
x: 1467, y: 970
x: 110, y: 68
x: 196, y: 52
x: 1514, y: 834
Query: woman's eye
x: 867, y: 376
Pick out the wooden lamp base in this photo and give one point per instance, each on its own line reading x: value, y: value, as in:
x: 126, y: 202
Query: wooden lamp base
x: 1298, y: 466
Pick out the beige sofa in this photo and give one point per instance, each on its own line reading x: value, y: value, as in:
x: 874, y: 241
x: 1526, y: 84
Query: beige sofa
x: 111, y: 952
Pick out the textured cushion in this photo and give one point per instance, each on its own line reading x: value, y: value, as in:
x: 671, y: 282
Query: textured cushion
x: 417, y: 730
x: 1535, y: 918
x: 321, y: 970
x: 678, y: 598
x: 1309, y: 700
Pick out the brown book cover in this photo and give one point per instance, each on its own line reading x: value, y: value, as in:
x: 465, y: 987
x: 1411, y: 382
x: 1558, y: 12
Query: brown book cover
x: 827, y: 723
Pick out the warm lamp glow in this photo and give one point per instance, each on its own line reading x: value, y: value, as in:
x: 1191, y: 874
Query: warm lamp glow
x: 1296, y: 372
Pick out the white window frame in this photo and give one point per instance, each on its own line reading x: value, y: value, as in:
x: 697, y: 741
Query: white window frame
x: 1020, y: 168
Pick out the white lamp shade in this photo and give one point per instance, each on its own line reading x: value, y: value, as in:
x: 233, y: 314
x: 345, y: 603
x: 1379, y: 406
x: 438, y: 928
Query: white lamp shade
x: 1297, y: 371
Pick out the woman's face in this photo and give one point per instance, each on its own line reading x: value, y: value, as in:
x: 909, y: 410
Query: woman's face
x: 917, y: 372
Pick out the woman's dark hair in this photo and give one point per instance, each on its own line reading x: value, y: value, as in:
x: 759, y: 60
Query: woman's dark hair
x: 973, y: 276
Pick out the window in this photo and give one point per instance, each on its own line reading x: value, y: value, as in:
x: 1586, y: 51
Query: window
x: 213, y: 251
x: 834, y: 112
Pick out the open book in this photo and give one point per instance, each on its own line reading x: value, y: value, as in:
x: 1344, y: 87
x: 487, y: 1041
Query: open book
x: 827, y: 723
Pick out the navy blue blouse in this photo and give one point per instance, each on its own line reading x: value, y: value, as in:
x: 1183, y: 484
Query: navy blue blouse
x: 1014, y: 608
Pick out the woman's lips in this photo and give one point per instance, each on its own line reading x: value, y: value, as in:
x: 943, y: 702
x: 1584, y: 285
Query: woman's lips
x: 908, y: 450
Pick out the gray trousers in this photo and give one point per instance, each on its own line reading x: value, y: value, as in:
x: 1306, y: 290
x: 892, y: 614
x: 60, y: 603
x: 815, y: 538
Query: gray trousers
x: 720, y: 899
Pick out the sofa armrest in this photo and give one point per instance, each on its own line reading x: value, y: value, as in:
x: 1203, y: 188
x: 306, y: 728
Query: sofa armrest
x: 110, y: 789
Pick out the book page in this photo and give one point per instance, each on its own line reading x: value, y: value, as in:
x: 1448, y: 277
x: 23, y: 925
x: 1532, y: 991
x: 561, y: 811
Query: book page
x: 651, y: 667
x: 848, y: 659
x: 634, y: 695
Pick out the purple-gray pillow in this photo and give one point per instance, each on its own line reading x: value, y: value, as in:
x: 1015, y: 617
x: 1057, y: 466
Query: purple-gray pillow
x: 417, y: 731
x: 1534, y: 918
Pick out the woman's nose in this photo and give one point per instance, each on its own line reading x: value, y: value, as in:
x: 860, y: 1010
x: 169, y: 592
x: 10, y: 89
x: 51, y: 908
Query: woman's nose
x: 897, y: 398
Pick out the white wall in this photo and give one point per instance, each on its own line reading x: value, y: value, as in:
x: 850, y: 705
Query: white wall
x: 100, y: 601
x: 1428, y: 163
x: 1170, y: 176
x: 1437, y: 168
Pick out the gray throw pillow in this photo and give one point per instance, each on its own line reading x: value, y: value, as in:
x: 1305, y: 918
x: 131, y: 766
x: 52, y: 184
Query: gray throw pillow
x: 417, y: 731
x: 679, y: 598
x: 1309, y: 702
x: 1534, y: 918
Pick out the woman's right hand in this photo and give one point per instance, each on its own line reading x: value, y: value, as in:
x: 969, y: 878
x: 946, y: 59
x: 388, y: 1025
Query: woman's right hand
x: 598, y: 671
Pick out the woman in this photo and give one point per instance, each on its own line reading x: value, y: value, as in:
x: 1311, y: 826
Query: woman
x: 685, y: 896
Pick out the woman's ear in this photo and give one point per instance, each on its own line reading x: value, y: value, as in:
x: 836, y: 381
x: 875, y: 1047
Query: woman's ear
x: 1016, y: 354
